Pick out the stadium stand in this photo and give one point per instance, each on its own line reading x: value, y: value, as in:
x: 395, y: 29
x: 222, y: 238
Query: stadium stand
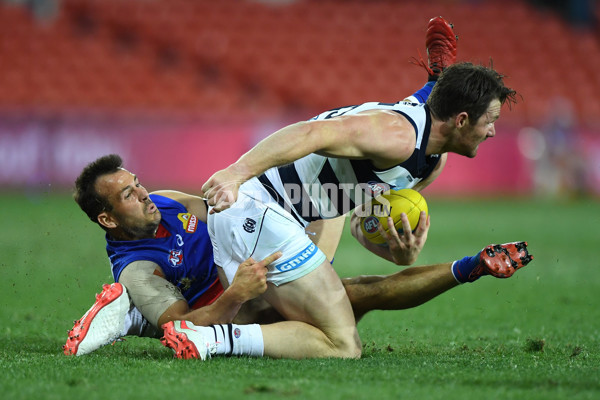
x: 252, y: 58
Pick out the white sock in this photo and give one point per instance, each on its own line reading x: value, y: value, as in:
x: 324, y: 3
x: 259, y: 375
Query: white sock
x: 136, y: 324
x: 236, y: 340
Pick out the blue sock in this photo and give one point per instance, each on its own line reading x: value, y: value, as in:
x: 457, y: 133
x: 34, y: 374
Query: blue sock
x: 423, y: 93
x: 461, y: 269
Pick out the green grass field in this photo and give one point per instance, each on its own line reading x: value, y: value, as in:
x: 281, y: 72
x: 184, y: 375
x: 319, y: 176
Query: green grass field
x: 534, y: 336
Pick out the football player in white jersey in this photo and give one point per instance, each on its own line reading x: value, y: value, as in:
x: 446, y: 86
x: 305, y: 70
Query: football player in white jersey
x: 261, y: 203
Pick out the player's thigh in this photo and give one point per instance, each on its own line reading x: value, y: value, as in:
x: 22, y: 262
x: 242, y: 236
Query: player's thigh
x: 326, y: 234
x: 319, y: 299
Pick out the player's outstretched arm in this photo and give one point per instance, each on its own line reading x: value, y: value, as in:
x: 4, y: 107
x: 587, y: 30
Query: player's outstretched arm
x: 249, y: 282
x: 193, y: 204
x: 160, y: 301
x: 384, y: 137
x: 282, y: 147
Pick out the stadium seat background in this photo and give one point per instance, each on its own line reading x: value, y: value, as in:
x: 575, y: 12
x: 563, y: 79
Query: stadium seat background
x: 250, y: 59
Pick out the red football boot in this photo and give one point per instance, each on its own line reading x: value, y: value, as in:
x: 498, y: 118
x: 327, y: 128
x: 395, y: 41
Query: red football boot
x: 440, y: 42
x: 187, y: 342
x: 501, y: 260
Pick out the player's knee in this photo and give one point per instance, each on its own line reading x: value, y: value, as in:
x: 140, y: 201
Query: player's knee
x: 353, y: 350
x: 349, y: 346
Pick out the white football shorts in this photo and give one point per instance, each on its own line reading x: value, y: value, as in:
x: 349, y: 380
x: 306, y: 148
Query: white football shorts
x: 256, y: 226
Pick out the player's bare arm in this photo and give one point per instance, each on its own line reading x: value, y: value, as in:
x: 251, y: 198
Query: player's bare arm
x: 160, y: 301
x: 250, y: 281
x: 385, y: 137
x: 193, y: 204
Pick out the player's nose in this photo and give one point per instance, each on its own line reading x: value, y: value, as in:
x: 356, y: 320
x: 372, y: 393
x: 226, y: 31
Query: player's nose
x: 142, y: 193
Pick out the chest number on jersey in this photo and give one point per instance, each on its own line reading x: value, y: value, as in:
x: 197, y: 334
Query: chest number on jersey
x: 339, y: 111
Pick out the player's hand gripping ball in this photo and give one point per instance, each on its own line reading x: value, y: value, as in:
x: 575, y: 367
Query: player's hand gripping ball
x: 392, y: 203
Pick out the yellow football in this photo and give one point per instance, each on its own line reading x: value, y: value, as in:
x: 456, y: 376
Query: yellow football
x: 392, y: 203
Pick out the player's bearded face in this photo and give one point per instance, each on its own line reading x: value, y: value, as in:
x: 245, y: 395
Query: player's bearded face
x: 135, y: 215
x: 481, y: 130
x: 141, y: 223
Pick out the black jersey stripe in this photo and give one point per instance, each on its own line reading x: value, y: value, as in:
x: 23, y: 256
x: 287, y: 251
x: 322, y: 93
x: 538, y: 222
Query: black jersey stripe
x: 432, y: 160
x: 419, y: 164
x: 327, y: 176
x: 304, y: 205
x: 268, y: 185
x: 412, y: 122
x: 363, y: 170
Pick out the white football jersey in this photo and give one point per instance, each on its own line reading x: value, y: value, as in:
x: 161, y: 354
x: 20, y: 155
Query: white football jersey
x: 316, y: 187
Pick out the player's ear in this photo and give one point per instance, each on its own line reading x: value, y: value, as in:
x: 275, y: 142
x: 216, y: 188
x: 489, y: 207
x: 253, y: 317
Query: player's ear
x: 107, y: 220
x: 461, y: 119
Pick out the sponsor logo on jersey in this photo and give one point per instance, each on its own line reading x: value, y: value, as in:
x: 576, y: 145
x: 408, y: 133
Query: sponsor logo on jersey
x: 299, y: 260
x: 176, y: 257
x: 249, y: 225
x: 189, y: 221
x: 370, y: 224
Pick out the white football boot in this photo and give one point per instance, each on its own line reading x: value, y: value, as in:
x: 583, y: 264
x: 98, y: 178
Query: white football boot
x: 111, y: 317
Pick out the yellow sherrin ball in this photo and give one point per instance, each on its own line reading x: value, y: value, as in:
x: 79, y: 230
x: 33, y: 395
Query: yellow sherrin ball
x: 392, y: 203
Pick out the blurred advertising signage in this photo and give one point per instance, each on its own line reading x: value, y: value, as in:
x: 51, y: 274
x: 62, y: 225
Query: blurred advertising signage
x: 34, y: 154
x: 183, y: 156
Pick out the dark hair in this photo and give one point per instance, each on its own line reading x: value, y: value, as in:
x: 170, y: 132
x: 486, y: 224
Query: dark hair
x: 468, y: 87
x: 85, y: 193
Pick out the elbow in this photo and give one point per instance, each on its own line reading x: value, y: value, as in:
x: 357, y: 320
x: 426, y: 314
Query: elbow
x: 177, y: 311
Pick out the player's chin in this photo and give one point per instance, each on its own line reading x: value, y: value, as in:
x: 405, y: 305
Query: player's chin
x: 469, y: 154
x: 473, y: 152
